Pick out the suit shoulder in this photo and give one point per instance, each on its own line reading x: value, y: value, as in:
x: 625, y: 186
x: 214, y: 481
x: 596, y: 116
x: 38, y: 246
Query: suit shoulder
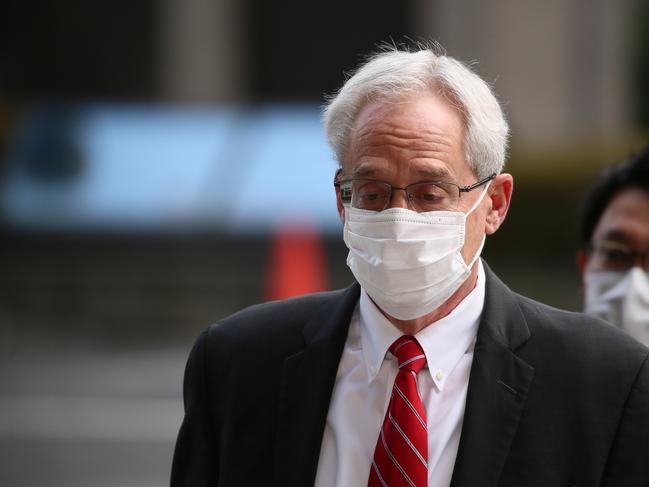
x: 267, y: 320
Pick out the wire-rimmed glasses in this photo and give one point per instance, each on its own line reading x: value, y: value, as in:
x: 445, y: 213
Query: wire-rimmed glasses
x: 376, y: 195
x: 617, y: 256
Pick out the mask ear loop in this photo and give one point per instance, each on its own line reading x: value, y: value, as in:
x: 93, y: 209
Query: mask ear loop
x: 484, y: 237
x: 478, y: 252
x: 479, y: 200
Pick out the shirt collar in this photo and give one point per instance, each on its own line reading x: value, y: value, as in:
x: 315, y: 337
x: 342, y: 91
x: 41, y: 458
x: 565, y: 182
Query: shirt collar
x: 444, y: 342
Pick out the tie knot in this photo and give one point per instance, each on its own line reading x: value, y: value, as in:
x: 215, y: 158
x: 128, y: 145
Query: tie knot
x: 409, y: 353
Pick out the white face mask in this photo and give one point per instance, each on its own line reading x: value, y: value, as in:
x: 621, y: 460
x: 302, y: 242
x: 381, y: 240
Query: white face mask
x: 409, y: 263
x: 621, y: 298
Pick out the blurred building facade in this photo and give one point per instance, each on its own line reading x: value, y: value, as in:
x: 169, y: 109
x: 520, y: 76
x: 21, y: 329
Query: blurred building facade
x: 564, y: 69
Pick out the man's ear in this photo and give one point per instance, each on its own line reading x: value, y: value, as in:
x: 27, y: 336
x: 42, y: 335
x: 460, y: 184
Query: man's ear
x: 500, y: 193
x: 339, y: 205
x: 339, y: 201
x: 581, y: 259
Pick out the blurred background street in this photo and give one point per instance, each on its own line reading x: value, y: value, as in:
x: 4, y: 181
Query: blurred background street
x: 163, y: 164
x: 79, y: 418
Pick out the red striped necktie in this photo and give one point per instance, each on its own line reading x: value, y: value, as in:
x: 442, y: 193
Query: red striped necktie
x: 401, y: 454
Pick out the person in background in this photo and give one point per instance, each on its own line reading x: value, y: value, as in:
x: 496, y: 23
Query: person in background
x: 428, y: 371
x: 614, y: 253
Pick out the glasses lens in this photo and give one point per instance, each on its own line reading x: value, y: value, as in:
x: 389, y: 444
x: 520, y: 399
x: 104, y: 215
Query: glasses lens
x: 433, y: 196
x: 370, y: 195
x: 346, y: 192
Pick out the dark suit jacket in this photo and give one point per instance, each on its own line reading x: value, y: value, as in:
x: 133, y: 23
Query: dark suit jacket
x: 555, y: 398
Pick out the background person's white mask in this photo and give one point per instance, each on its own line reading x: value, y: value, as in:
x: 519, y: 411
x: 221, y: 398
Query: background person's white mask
x: 621, y: 298
x: 409, y: 263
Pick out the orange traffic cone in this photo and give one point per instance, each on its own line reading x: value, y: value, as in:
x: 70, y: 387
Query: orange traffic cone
x: 297, y: 262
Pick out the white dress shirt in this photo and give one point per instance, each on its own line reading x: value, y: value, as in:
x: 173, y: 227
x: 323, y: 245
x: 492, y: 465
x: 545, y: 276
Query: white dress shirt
x: 364, y: 382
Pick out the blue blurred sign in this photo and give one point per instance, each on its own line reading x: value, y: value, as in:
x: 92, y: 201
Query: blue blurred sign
x: 138, y: 168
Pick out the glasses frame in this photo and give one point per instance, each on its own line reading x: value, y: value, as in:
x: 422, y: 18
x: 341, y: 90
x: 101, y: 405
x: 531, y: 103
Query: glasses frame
x: 339, y: 180
x: 632, y: 258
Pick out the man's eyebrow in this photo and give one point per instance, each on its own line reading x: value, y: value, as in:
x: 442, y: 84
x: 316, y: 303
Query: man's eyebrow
x: 363, y: 171
x: 431, y: 174
x: 616, y: 235
x: 435, y: 174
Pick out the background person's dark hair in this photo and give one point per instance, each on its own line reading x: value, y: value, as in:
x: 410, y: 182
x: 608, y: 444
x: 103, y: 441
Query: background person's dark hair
x: 633, y: 172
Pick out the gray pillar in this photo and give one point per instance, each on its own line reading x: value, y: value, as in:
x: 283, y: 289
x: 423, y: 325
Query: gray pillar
x: 201, y: 51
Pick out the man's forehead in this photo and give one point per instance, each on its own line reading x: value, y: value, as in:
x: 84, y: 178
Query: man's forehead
x: 416, y: 106
x: 626, y: 219
x: 423, y: 134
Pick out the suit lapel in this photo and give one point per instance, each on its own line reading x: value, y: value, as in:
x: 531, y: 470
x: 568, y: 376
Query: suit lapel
x: 307, y: 384
x: 498, y: 386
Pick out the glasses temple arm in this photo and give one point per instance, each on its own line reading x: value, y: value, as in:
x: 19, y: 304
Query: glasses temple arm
x: 466, y: 189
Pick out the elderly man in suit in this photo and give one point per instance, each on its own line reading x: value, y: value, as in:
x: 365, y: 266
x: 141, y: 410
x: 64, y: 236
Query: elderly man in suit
x: 428, y: 371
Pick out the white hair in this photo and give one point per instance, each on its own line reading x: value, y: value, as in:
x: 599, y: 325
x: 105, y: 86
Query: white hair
x: 397, y: 73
